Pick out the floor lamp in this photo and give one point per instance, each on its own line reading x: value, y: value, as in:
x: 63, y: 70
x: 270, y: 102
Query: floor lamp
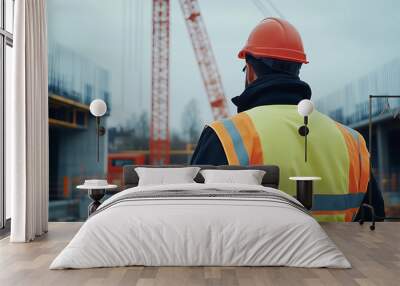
x: 369, y: 204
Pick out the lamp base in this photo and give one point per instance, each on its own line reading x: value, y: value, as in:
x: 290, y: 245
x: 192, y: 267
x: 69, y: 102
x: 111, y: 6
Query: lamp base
x: 303, y: 130
x: 102, y: 131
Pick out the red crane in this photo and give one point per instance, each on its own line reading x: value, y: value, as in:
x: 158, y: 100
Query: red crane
x: 205, y: 58
x: 159, y: 130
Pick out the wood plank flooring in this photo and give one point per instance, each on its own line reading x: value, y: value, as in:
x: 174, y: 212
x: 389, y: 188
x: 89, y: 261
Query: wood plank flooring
x: 375, y: 257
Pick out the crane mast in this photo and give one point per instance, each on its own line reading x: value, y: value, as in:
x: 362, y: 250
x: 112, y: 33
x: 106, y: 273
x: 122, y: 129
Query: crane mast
x: 205, y: 58
x: 159, y: 124
x: 159, y: 129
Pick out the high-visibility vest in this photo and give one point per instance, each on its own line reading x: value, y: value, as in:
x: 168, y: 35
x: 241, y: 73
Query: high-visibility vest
x: 336, y: 153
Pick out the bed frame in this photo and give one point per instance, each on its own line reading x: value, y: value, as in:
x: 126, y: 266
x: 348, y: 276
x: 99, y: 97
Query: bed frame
x: 271, y: 178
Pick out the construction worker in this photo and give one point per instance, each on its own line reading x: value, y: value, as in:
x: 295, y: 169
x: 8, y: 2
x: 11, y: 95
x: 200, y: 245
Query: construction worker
x: 265, y: 130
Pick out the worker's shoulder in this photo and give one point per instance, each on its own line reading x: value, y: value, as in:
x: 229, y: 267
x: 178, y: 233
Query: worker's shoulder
x: 229, y: 120
x: 348, y: 130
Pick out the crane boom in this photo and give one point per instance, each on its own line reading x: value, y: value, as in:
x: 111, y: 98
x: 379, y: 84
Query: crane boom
x: 159, y: 129
x: 205, y: 58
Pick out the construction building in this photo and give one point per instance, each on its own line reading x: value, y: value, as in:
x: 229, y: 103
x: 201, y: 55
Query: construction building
x: 73, y: 83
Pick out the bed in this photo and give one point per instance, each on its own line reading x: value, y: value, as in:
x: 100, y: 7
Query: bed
x: 198, y: 224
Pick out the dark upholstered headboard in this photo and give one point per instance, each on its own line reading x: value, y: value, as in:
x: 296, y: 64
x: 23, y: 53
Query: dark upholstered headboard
x: 271, y: 178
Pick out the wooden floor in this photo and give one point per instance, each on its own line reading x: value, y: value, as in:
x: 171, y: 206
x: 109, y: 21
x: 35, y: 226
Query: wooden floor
x: 375, y: 257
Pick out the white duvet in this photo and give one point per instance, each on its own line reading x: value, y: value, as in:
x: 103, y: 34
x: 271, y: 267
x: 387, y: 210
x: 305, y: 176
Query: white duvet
x: 200, y: 231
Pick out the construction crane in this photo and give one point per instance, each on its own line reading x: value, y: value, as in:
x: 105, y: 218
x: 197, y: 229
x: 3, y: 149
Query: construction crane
x: 159, y: 130
x: 159, y: 124
x: 205, y: 58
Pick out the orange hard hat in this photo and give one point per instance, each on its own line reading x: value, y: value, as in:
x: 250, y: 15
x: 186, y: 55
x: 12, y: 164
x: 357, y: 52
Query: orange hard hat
x: 275, y: 38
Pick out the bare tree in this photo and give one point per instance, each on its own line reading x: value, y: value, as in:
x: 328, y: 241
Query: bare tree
x: 191, y: 121
x: 133, y: 135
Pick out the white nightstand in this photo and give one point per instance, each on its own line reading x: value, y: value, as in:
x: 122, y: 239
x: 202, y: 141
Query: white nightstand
x: 95, y: 193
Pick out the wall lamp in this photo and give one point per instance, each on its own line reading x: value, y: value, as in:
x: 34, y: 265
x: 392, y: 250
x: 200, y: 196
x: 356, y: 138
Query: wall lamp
x: 98, y: 108
x: 305, y: 108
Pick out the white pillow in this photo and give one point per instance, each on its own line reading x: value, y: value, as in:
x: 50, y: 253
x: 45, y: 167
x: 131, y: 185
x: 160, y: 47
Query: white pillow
x: 166, y: 176
x: 247, y: 177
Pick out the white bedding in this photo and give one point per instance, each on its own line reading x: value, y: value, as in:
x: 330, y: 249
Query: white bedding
x: 200, y: 231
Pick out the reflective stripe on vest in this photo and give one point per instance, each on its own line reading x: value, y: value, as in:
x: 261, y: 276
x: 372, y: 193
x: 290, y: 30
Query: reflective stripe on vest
x: 359, y: 165
x: 239, y: 139
x: 338, y: 154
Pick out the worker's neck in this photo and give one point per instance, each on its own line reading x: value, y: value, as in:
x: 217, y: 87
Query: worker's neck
x: 273, y: 89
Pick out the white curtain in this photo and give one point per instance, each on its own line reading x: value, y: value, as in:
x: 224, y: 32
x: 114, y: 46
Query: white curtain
x: 28, y: 123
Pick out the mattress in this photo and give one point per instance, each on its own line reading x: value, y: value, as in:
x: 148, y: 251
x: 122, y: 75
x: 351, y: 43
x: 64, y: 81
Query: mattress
x: 201, y: 225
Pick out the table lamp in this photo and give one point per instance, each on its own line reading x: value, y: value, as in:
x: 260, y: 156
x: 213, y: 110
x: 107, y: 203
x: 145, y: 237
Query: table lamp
x: 98, y: 108
x: 305, y: 108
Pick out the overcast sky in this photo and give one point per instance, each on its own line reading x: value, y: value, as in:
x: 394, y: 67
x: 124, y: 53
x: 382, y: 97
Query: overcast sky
x: 343, y: 39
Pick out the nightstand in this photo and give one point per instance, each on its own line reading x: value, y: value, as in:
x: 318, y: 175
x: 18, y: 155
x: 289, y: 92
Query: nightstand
x: 95, y: 193
x: 304, y: 190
